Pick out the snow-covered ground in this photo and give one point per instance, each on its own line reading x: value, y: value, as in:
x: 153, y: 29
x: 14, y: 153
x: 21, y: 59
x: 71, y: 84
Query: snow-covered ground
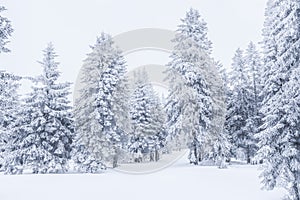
x: 179, y: 181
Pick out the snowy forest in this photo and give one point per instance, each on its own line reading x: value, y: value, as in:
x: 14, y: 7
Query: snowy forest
x: 247, y: 112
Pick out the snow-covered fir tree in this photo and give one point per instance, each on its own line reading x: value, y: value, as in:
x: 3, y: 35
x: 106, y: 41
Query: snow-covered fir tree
x: 239, y: 105
x: 102, y: 117
x: 219, y: 142
x: 279, y: 139
x: 45, y: 127
x: 253, y: 67
x: 5, y: 31
x: 243, y: 102
x: 148, y: 120
x: 189, y: 103
x: 291, y: 133
x: 9, y: 108
x: 9, y: 98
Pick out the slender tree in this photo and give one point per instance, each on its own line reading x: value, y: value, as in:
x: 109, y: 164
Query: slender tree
x: 190, y: 97
x: 239, y: 105
x: 253, y: 68
x: 102, y: 117
x: 148, y: 120
x: 219, y: 144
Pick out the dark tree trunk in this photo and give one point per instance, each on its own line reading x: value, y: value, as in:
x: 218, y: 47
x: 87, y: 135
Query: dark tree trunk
x: 151, y: 156
x: 156, y: 155
x: 115, y: 161
x: 196, y: 156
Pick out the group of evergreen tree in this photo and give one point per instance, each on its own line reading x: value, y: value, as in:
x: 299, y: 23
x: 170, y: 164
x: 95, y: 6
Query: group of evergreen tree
x: 39, y: 132
x: 263, y: 99
x: 115, y: 121
x: 243, y: 103
x: 279, y: 138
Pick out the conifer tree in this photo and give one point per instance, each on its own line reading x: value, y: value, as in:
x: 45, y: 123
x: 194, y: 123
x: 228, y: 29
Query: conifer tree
x: 9, y: 108
x: 239, y: 104
x: 219, y: 144
x: 148, y: 120
x: 45, y: 127
x: 102, y: 117
x: 253, y: 68
x: 190, y: 103
x: 279, y: 140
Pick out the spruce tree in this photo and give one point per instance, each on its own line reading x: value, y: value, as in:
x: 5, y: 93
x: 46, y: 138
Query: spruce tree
x: 102, y: 117
x: 9, y: 108
x: 243, y: 103
x: 239, y: 104
x: 148, y: 120
x: 219, y: 144
x: 253, y: 68
x: 190, y: 98
x: 290, y: 143
x: 279, y: 139
x: 45, y: 129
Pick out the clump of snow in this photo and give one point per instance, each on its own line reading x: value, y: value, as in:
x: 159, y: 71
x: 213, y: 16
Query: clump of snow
x: 179, y: 181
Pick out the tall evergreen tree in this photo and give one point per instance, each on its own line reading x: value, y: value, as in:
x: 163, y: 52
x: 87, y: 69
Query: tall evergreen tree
x: 279, y: 139
x: 219, y: 136
x: 239, y: 104
x: 253, y: 68
x: 5, y: 31
x: 244, y: 101
x: 291, y: 135
x: 148, y: 120
x: 9, y: 99
x: 9, y: 107
x: 102, y: 117
x: 45, y: 129
x: 190, y: 98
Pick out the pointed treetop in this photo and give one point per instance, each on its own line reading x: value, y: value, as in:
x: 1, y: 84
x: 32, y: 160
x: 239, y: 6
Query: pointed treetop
x: 195, y: 28
x: 50, y: 66
x: 238, y: 59
x: 104, y: 40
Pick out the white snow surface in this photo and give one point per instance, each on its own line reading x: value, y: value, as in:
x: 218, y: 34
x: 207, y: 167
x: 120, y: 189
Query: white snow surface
x: 179, y: 181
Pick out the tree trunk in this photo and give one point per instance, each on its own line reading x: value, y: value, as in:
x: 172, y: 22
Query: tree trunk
x: 115, y: 161
x: 156, y: 155
x: 248, y: 154
x: 196, y: 156
x: 151, y: 156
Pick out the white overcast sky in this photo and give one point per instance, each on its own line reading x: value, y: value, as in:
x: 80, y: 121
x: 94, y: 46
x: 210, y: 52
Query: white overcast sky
x: 72, y: 25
